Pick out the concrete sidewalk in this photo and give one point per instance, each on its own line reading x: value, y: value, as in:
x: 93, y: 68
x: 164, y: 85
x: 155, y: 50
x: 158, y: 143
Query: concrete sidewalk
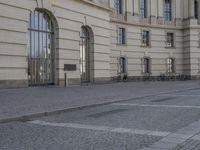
x: 16, y: 104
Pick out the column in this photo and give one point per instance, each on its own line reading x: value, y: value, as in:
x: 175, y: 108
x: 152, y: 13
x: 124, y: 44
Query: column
x: 179, y: 12
x: 153, y: 11
x: 135, y: 7
x: 160, y: 8
x: 160, y: 12
x: 129, y: 6
x: 191, y: 9
x: 191, y: 16
x: 112, y: 4
x: 185, y: 9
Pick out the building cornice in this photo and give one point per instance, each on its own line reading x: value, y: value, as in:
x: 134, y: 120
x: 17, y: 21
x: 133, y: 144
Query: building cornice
x: 139, y: 24
x: 101, y: 6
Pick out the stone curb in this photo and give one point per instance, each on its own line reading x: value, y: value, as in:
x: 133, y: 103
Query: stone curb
x: 28, y: 117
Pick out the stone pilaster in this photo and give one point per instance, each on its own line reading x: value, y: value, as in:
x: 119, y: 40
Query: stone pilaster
x: 179, y: 12
x: 136, y: 10
x: 160, y: 16
x: 191, y: 9
x: 153, y: 11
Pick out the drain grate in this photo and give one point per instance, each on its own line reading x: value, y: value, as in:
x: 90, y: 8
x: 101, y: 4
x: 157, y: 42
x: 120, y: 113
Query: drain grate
x: 163, y: 99
x: 101, y: 114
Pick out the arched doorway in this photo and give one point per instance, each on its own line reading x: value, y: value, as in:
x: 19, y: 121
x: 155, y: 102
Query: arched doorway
x: 41, y: 49
x: 86, y: 55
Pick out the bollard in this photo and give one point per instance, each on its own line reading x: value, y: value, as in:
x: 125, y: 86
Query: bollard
x: 65, y: 80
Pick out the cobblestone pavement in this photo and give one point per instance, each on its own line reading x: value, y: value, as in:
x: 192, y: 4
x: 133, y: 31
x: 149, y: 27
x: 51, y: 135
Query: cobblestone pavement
x: 32, y: 137
x: 26, y: 101
x: 188, y: 145
x: 162, y: 121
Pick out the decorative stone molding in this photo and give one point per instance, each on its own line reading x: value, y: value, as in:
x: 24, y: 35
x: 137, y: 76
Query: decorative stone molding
x: 169, y: 23
x: 179, y: 22
x: 44, y: 4
x: 160, y: 20
x: 153, y: 20
x: 145, y: 21
x: 121, y: 17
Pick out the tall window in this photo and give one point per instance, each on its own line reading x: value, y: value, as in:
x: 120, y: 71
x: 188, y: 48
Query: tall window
x: 146, y: 62
x: 122, y: 64
x: 168, y: 10
x: 41, y: 52
x: 145, y: 38
x: 170, y: 40
x: 196, y: 9
x: 86, y: 55
x: 170, y: 65
x: 143, y: 8
x: 118, y: 7
x: 121, y: 36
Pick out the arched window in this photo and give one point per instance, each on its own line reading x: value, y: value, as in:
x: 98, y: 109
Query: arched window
x: 40, y: 49
x: 86, y: 54
x: 171, y: 65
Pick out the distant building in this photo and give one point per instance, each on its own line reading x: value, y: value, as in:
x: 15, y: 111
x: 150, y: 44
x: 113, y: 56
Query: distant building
x: 62, y: 42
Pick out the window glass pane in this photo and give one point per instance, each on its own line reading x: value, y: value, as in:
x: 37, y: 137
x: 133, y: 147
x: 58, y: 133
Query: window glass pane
x: 121, y: 35
x: 170, y: 65
x: 146, y: 65
x: 122, y: 65
x: 143, y: 8
x: 168, y: 10
x: 36, y: 20
x: 118, y: 6
x: 145, y: 38
x: 40, y: 61
x: 170, y: 39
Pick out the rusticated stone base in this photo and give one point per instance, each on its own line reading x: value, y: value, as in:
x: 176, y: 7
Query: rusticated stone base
x: 75, y: 81
x: 13, y: 83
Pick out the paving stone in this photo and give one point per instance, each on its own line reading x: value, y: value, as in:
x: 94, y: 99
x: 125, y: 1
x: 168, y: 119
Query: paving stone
x: 162, y: 145
x: 172, y: 140
x: 188, y: 131
x: 19, y: 102
x: 89, y: 133
x: 34, y: 137
x: 179, y: 136
x: 153, y: 149
x: 188, y: 145
x: 157, y: 133
x: 197, y: 137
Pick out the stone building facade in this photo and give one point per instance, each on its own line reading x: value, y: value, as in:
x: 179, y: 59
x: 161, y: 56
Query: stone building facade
x: 71, y: 42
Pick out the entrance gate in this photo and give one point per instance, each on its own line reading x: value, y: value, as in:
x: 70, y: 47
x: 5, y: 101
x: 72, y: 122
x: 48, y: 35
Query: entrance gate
x: 40, y: 49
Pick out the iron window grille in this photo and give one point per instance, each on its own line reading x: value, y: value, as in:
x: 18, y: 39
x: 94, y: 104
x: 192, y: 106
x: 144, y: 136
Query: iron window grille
x: 171, y: 65
x: 170, y: 40
x: 145, y: 38
x: 121, y: 36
